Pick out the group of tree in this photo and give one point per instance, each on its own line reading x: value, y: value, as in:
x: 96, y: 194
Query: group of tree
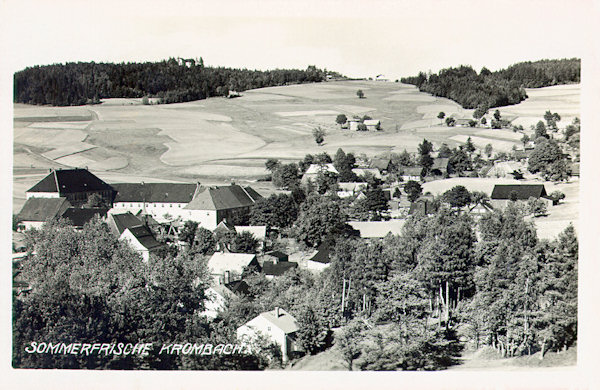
x: 170, y: 81
x: 500, y: 88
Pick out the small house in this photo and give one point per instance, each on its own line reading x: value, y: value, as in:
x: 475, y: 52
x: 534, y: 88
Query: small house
x: 231, y: 266
x: 141, y: 240
x: 277, y: 325
x: 372, y: 124
x: 36, y: 211
x: 503, y: 193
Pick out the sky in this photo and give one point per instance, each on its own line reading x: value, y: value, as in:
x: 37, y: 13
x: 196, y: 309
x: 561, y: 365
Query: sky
x: 355, y: 38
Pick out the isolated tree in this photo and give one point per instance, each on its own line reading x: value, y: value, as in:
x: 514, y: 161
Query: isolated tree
x: 488, y: 150
x: 450, y: 121
x: 441, y: 116
x: 497, y: 115
x: 483, y: 121
x: 525, y: 139
x: 341, y: 119
x: 360, y: 94
x: 413, y: 190
x: 361, y: 127
x: 551, y: 120
x: 319, y: 135
x: 557, y: 196
x: 537, y: 207
x: 272, y: 164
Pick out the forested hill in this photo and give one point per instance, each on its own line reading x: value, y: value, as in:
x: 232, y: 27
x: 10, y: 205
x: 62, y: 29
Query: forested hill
x: 493, y: 89
x: 171, y: 80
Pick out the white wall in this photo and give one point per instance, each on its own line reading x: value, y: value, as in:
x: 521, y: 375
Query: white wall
x: 205, y: 218
x: 31, y: 224
x: 135, y: 244
x: 43, y: 195
x: 260, y: 325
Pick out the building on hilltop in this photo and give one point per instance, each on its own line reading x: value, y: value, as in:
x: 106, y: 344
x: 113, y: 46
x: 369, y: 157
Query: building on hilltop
x: 76, y: 185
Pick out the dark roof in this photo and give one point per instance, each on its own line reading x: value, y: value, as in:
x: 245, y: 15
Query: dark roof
x: 145, y: 237
x: 277, y: 269
x: 278, y: 254
x: 522, y: 154
x: 523, y: 191
x: 79, y: 217
x: 411, y: 171
x: 67, y: 181
x: 156, y: 192
x: 381, y: 163
x: 124, y: 221
x: 422, y: 206
x: 224, y: 198
x: 238, y: 287
x: 440, y: 163
x: 41, y: 209
x: 322, y: 255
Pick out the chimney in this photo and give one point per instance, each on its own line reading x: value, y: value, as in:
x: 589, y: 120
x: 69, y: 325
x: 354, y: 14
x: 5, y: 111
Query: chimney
x: 227, y: 277
x: 276, y: 311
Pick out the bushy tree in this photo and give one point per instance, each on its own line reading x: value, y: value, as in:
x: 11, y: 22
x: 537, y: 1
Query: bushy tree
x: 286, y: 176
x: 548, y: 160
x: 341, y: 119
x: 457, y: 197
x: 319, y: 135
x: 276, y: 211
x: 360, y: 94
x: 320, y: 217
x: 272, y: 164
x: 204, y: 241
x: 244, y: 242
x: 413, y: 190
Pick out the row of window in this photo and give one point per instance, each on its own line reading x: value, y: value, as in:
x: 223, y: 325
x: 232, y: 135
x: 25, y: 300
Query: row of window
x: 138, y: 205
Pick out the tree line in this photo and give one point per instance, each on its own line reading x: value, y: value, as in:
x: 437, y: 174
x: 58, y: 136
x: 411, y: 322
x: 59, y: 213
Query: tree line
x: 169, y: 80
x: 494, y: 89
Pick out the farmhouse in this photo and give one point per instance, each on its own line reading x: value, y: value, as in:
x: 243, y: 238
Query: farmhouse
x: 372, y: 124
x: 36, y: 211
x: 277, y: 325
x: 440, y: 166
x: 156, y: 199
x: 230, y: 266
x: 277, y: 268
x: 348, y: 190
x: 383, y: 165
x: 74, y: 184
x: 320, y: 260
x: 119, y: 222
x: 216, y: 204
x: 411, y: 173
x: 362, y: 172
x: 141, y: 240
x: 503, y: 193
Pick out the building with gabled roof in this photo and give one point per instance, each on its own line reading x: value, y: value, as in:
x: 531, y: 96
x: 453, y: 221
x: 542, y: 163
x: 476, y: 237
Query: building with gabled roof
x: 321, y: 258
x: 384, y: 165
x: 277, y: 325
x: 119, y: 222
x: 74, y: 184
x: 372, y: 124
x: 78, y: 217
x: 141, y: 240
x: 504, y: 193
x: 216, y: 204
x: 230, y: 266
x: 272, y: 268
x: 156, y: 199
x: 36, y: 211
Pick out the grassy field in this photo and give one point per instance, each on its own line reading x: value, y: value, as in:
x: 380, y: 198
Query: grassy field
x: 220, y: 139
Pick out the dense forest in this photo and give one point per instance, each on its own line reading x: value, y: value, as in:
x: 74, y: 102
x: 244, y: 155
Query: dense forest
x: 493, y: 89
x: 172, y: 81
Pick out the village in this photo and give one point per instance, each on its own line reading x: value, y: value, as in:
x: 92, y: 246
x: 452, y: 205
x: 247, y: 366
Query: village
x: 379, y: 194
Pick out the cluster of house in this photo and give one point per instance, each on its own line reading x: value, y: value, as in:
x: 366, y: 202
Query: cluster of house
x: 354, y: 124
x: 132, y: 209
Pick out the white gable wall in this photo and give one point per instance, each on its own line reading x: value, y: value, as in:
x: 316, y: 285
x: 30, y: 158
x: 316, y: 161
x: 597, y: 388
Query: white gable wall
x: 135, y: 244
